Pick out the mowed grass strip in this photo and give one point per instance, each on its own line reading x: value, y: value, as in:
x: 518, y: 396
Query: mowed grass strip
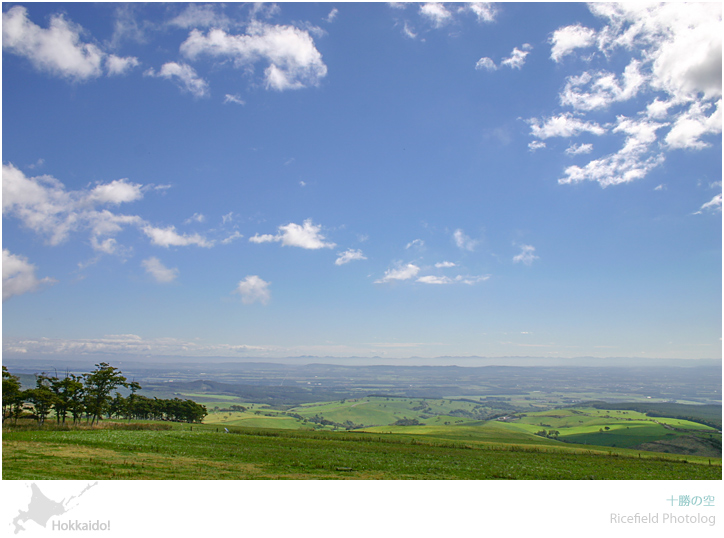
x: 265, y: 454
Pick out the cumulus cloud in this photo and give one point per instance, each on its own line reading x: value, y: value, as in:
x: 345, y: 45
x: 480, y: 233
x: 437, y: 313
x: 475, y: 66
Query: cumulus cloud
x: 692, y: 124
x: 603, y: 88
x: 58, y: 49
x: 484, y: 11
x: 306, y: 236
x: 517, y: 57
x: 253, y: 289
x: 184, y: 75
x: 19, y: 276
x: 348, y: 256
x: 486, y: 63
x: 633, y: 161
x: 200, y: 16
x: 436, y: 13
x: 401, y: 272
x: 564, y: 125
x: 116, y: 65
x: 566, y: 40
x: 445, y: 264
x: 292, y: 59
x: 526, y: 255
x: 579, y: 149
x: 672, y: 64
x: 464, y: 242
x: 158, y: 271
x: 44, y: 206
x: 535, y: 145
x: 169, y: 237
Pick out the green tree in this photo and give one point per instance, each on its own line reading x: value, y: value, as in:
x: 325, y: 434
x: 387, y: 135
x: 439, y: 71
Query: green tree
x: 12, y: 393
x: 98, y: 386
x: 42, y: 397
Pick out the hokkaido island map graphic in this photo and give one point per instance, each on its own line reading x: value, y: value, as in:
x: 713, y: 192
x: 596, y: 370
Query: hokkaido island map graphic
x: 41, y: 508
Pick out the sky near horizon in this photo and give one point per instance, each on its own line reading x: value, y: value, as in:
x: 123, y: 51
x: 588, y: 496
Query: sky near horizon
x: 344, y: 179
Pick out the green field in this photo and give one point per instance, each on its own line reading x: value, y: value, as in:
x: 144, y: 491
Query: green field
x: 205, y: 452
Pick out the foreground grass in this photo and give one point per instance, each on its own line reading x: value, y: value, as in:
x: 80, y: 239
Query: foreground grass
x: 205, y: 453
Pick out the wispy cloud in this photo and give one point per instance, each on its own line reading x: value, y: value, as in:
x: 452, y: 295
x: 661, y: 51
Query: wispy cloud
x: 526, y: 255
x: 464, y: 242
x: 158, y: 271
x: 348, y: 256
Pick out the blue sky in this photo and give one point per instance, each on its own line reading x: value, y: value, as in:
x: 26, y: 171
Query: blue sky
x: 362, y: 180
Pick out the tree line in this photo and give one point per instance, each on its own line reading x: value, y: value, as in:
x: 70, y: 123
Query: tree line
x: 90, y: 396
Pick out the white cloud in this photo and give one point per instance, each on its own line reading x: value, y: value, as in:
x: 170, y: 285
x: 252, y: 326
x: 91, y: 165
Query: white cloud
x: 227, y: 218
x: 409, y: 32
x: 332, y: 15
x: 486, y: 63
x: 535, y: 145
x: 158, y: 271
x: 633, y: 161
x: 253, y: 289
x: 564, y: 125
x: 526, y: 255
x: 668, y: 48
x: 116, y: 192
x: 430, y: 279
x: 116, y: 65
x: 168, y: 237
x: 460, y: 279
x: 123, y: 343
x: 682, y: 42
x: 484, y: 11
x: 196, y: 217
x: 712, y: 205
x: 417, y: 243
x: 58, y: 50
x: 232, y: 237
x: 185, y: 75
x: 228, y: 98
x: 293, y: 60
x: 293, y: 235
x: 349, y: 255
x: 692, y: 124
x: 470, y: 280
x: 604, y: 88
x: 579, y: 149
x: 401, y: 272
x: 200, y: 16
x: 516, y: 60
x: 19, y: 276
x: 44, y: 206
x: 436, y: 13
x: 445, y: 264
x: 566, y: 40
x: 464, y: 242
